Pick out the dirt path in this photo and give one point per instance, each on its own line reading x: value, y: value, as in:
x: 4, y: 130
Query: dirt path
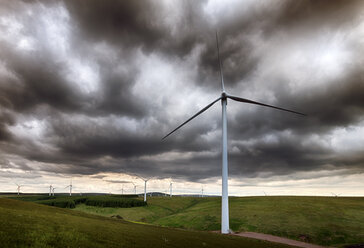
x: 276, y: 239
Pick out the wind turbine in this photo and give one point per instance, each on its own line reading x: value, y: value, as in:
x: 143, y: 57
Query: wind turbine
x: 134, y: 188
x: 170, y: 189
x: 223, y: 98
x: 335, y: 195
x: 145, y: 185
x: 202, y: 191
x: 70, y: 186
x: 50, y: 190
x: 53, y: 190
x: 18, y: 188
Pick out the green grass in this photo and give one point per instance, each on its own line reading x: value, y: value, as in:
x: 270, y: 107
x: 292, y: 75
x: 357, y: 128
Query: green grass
x: 26, y: 224
x: 322, y: 220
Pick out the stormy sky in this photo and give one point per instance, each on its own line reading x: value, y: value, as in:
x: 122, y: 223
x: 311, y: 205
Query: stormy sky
x: 89, y: 88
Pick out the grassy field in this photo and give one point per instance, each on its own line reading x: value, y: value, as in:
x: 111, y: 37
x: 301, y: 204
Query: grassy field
x: 334, y: 221
x: 27, y: 224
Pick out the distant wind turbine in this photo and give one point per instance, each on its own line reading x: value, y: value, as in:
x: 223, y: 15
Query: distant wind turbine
x: 70, y: 186
x: 145, y: 185
x: 134, y: 188
x: 170, y: 189
x: 53, y: 190
x: 223, y: 98
x: 202, y: 191
x: 335, y: 195
x: 50, y: 190
x: 18, y: 188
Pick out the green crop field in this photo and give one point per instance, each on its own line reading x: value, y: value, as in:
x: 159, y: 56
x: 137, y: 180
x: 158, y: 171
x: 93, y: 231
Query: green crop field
x: 27, y: 224
x: 334, y: 221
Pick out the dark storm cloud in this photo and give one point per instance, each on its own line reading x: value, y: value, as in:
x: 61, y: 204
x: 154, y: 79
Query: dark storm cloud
x: 292, y: 17
x: 115, y: 129
x: 6, y: 119
x: 38, y: 81
x: 339, y: 106
x: 337, y: 14
x: 115, y: 96
x: 124, y: 22
x: 139, y: 24
x: 93, y: 140
x: 283, y: 157
x: 142, y: 24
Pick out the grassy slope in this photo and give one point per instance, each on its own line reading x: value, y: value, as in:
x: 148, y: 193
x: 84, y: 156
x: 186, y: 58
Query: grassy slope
x: 25, y: 224
x: 324, y: 220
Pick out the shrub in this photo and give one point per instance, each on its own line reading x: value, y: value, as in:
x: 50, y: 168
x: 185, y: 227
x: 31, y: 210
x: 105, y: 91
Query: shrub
x: 33, y: 198
x: 124, y: 196
x: 79, y: 200
x: 105, y: 201
x: 60, y: 202
x: 119, y: 201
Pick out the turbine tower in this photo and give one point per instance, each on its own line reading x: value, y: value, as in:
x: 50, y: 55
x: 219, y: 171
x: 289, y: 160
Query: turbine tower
x: 223, y: 98
x: 70, y: 186
x: 170, y: 189
x: 145, y: 188
x: 53, y: 190
x: 202, y: 191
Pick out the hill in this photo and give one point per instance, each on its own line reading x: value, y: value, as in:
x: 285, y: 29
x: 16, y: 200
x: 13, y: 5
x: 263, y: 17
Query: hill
x: 334, y: 221
x: 27, y: 224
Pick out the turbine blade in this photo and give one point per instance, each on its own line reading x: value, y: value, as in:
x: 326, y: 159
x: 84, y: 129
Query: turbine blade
x: 239, y: 99
x: 198, y: 113
x: 218, y: 56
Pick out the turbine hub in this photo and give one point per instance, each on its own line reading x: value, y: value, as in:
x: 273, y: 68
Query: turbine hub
x: 223, y: 95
